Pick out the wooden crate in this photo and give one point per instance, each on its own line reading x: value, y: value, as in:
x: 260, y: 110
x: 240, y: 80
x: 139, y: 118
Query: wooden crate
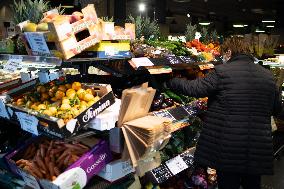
x: 66, y: 32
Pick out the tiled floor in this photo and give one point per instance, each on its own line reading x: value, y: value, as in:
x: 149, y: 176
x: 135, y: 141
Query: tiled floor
x: 276, y: 181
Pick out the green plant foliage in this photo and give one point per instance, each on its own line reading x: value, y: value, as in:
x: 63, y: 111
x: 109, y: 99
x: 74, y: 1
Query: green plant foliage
x: 29, y: 10
x: 145, y: 27
x: 190, y: 32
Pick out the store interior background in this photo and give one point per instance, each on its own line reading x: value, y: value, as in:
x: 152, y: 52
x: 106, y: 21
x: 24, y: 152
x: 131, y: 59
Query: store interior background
x: 174, y: 15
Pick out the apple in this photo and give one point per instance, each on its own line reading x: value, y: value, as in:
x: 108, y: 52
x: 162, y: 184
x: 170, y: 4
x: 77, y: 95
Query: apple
x: 42, y: 27
x: 78, y: 15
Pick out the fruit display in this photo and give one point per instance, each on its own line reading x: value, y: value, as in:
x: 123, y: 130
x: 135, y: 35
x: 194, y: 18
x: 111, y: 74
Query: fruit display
x: 49, y: 158
x: 58, y: 99
x: 7, y: 76
x: 200, y: 47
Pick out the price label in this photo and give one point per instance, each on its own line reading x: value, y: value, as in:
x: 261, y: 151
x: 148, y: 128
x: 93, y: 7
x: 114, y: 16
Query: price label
x: 3, y: 110
x: 110, y: 51
x: 13, y: 64
x: 176, y: 165
x: 28, y: 122
x: 37, y: 42
x: 143, y: 61
x: 30, y: 181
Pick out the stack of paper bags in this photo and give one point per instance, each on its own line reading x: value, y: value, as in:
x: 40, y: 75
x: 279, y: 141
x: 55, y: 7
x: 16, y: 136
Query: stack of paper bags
x: 144, y: 135
x: 135, y: 103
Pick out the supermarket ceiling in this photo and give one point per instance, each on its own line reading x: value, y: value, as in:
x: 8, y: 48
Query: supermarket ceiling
x: 245, y: 11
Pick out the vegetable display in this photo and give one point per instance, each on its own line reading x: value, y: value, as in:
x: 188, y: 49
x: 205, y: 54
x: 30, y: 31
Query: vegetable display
x: 49, y: 158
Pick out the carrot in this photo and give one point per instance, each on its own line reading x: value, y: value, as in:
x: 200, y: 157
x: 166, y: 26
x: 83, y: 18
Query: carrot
x: 56, y: 171
x: 51, y: 169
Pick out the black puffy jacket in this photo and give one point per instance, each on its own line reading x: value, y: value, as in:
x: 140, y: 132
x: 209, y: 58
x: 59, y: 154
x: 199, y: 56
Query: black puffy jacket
x: 236, y: 136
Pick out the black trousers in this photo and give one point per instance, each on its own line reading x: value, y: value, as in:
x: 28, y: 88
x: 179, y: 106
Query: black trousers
x: 235, y: 180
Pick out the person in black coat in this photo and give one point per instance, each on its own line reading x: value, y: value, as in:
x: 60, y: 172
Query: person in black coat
x: 236, y: 138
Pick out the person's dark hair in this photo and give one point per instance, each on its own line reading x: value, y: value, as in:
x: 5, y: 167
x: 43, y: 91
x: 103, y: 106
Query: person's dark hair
x: 237, y: 45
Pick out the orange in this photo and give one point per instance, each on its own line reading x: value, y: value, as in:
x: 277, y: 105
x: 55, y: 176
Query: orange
x: 76, y: 86
x: 71, y: 93
x: 65, y: 107
x: 41, y: 107
x: 81, y: 93
x: 88, y: 97
x: 47, y: 112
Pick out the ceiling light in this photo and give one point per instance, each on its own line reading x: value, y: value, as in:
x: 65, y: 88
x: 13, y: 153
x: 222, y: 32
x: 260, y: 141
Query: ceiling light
x: 268, y: 21
x: 182, y: 1
x: 270, y: 26
x: 259, y: 31
x: 188, y: 15
x: 141, y: 7
x: 204, y: 23
x: 245, y: 25
x: 238, y: 26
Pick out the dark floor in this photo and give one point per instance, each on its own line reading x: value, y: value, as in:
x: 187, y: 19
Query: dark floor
x: 275, y: 181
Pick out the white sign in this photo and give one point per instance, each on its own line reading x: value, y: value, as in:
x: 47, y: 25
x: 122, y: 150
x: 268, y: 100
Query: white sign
x: 29, y: 180
x: 13, y: 64
x: 37, y: 42
x: 3, y: 110
x: 28, y: 122
x: 143, y: 61
x: 176, y: 165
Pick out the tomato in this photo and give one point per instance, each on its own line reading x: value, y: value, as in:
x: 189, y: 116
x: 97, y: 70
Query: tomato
x: 76, y: 86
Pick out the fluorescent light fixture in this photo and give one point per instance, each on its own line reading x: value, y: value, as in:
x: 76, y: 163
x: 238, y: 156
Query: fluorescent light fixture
x: 188, y: 15
x: 204, y: 23
x: 67, y: 6
x: 268, y: 21
x: 245, y: 25
x: 270, y: 26
x: 238, y: 26
x: 141, y: 7
x: 259, y: 31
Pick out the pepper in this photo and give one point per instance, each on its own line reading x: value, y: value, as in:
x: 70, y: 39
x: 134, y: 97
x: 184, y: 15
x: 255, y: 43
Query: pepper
x: 174, y: 96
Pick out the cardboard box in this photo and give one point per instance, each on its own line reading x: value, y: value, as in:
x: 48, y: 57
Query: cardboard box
x: 116, y: 170
x: 107, y: 119
x: 76, y: 175
x: 110, y: 49
x: 56, y: 127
